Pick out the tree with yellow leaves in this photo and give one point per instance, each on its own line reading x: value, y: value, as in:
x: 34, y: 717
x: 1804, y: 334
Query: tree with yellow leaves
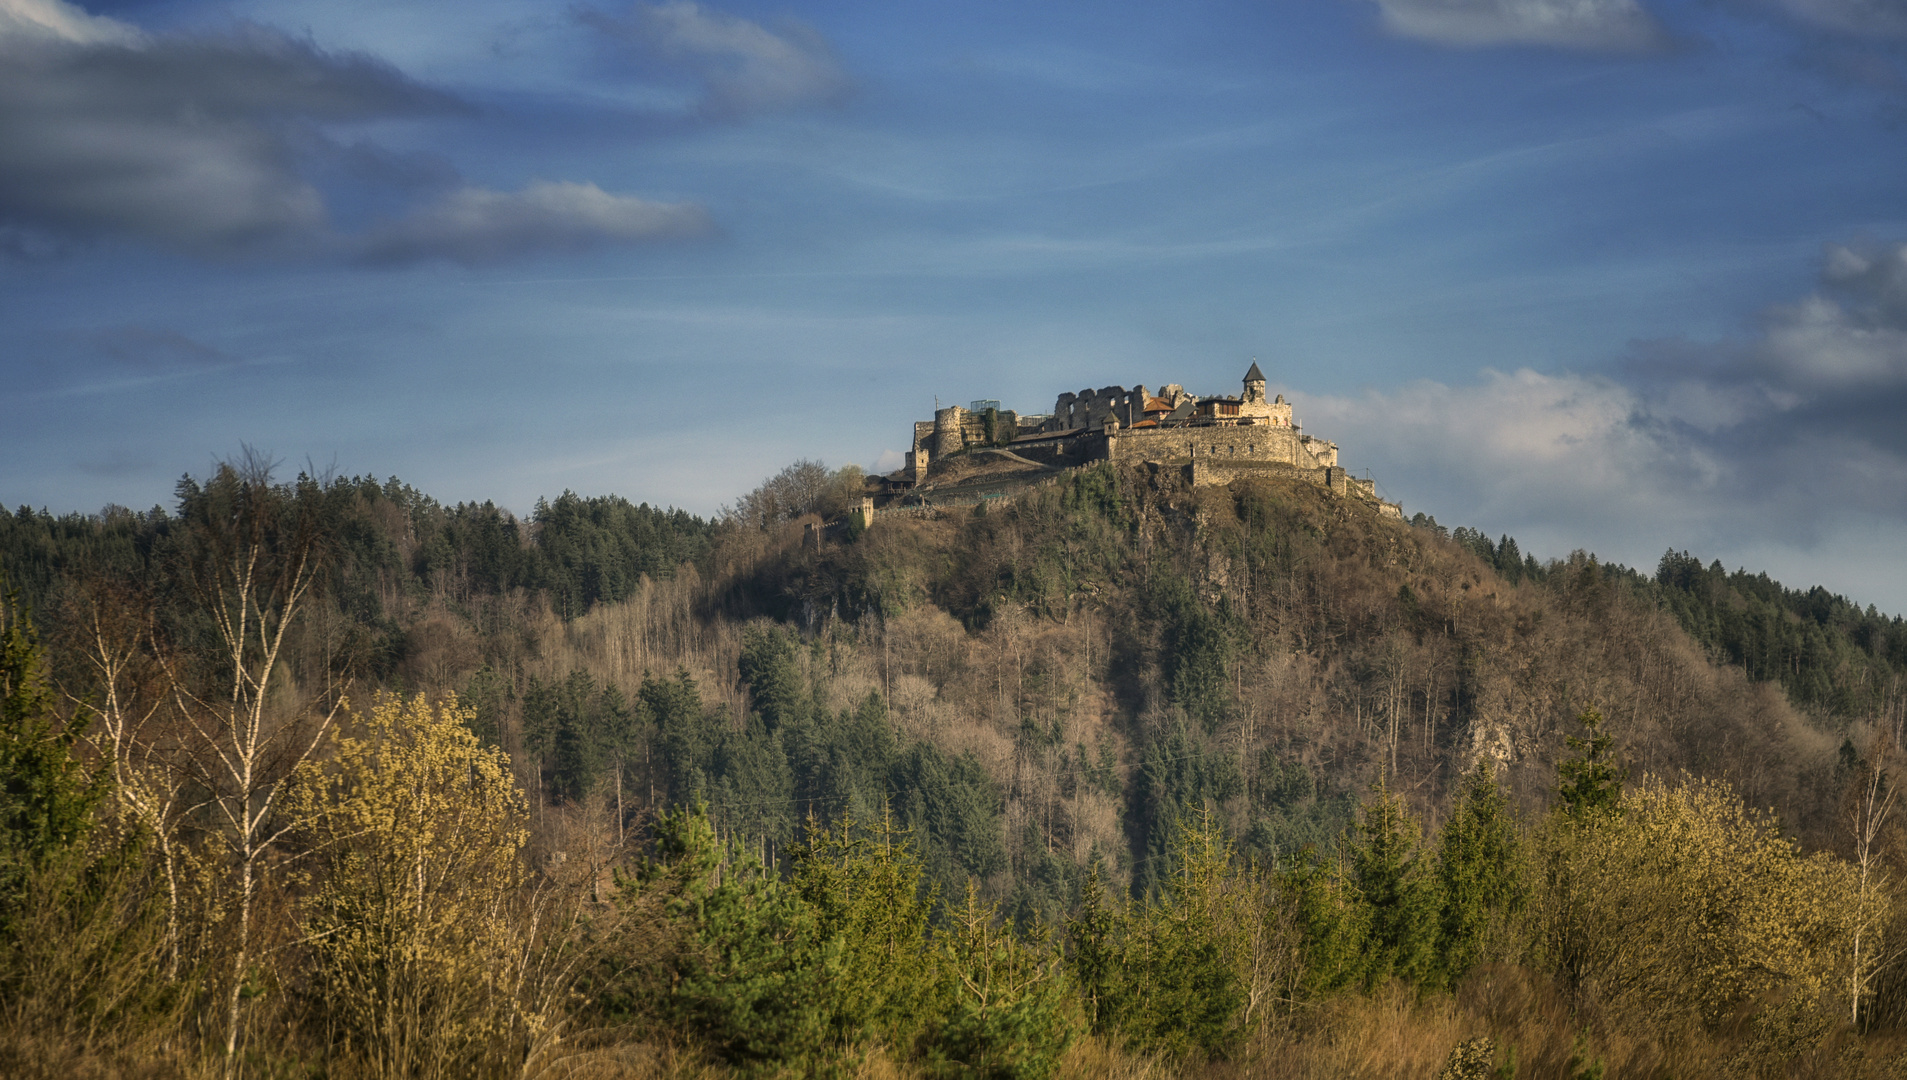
x: 418, y: 833
x: 1685, y: 905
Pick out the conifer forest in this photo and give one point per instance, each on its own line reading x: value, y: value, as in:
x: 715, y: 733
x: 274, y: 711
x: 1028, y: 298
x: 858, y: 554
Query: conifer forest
x: 316, y: 776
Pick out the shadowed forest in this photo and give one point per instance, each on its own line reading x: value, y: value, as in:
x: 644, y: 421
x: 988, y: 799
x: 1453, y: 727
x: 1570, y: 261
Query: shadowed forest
x: 322, y: 778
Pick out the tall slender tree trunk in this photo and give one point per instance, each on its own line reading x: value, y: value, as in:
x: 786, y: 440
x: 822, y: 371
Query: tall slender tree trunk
x: 241, y: 958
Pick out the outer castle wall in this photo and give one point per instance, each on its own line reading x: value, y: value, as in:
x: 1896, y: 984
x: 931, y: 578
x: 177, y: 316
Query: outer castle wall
x: 1261, y: 444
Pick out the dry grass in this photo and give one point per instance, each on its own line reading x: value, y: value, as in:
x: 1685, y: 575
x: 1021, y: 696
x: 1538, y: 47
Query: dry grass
x: 598, y: 1055
x: 26, y: 1055
x: 1397, y: 1034
x: 1093, y: 1058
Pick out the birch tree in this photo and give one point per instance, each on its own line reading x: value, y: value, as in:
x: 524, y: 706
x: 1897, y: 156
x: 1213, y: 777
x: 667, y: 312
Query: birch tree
x: 1866, y: 812
x: 250, y: 561
x: 111, y: 632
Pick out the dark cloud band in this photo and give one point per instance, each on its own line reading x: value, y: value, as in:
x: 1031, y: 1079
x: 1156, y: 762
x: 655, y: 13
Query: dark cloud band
x: 215, y: 144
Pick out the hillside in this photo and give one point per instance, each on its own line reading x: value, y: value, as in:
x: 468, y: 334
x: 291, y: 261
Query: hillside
x: 1081, y: 682
x: 1266, y: 648
x: 1113, y: 649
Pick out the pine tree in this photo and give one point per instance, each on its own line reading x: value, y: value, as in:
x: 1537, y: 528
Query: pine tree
x: 1590, y: 782
x: 1479, y: 871
x: 1334, y: 923
x: 1160, y: 977
x: 1393, y: 877
x: 1094, y: 957
x: 751, y: 978
x: 1008, y: 1015
x: 47, y: 796
x: 866, y: 888
x: 685, y: 740
x: 82, y: 929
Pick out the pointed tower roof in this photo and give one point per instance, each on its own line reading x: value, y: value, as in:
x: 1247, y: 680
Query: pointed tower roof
x: 1254, y: 375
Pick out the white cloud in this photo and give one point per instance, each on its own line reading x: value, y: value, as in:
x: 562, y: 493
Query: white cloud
x: 60, y: 21
x: 1849, y: 335
x: 1819, y: 342
x: 477, y: 225
x: 1572, y: 461
x: 1543, y: 445
x: 744, y: 67
x: 1792, y: 437
x: 1595, y: 25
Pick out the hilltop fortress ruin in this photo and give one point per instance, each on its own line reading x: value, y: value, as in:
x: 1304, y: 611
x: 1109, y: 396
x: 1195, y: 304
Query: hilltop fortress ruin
x: 968, y: 454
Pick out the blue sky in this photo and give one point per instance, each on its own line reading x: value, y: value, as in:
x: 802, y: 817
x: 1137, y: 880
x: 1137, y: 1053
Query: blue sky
x: 1616, y: 274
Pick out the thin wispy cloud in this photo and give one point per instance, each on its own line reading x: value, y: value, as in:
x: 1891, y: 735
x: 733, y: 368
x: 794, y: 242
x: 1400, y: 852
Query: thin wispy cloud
x: 157, y: 348
x: 742, y: 68
x: 1591, y: 25
x: 476, y: 225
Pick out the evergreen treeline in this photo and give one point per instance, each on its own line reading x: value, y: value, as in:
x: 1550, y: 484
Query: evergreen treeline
x: 1822, y: 648
x: 1118, y: 777
x: 579, y: 551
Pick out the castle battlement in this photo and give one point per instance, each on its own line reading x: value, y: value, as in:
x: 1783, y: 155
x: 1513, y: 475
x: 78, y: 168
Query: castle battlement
x: 1215, y: 439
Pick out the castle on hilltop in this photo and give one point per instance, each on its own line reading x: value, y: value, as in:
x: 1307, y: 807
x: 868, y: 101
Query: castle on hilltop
x: 963, y: 453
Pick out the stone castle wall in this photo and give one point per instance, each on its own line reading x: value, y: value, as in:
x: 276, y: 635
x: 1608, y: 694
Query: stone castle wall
x: 1260, y: 443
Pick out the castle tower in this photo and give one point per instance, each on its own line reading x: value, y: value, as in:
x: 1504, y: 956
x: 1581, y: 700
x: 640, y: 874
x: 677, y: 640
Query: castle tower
x: 950, y: 436
x: 1254, y: 384
x: 1255, y: 409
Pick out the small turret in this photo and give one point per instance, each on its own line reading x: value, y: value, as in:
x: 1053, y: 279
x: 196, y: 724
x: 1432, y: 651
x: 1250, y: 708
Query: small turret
x: 1254, y: 384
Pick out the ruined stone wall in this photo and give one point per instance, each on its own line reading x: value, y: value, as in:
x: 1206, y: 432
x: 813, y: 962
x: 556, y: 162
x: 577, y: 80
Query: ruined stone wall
x: 1090, y: 409
x: 1221, y: 471
x: 1323, y: 450
x: 1260, y: 443
x: 973, y: 426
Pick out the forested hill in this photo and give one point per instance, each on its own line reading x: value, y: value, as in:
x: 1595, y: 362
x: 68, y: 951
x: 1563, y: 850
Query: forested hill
x: 1114, y: 777
x: 1825, y: 650
x: 1110, y: 652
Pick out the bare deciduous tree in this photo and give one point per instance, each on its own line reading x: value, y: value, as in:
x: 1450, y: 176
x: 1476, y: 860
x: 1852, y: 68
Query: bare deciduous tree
x: 1866, y: 813
x: 251, y: 561
x: 110, y: 629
